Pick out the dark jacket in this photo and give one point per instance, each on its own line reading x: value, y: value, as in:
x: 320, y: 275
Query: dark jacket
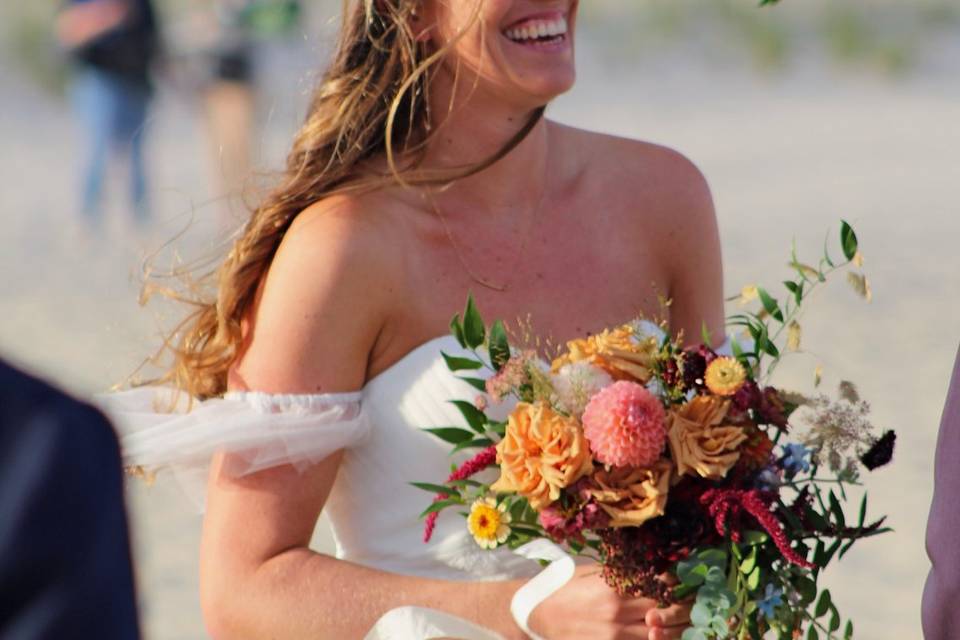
x: 65, y: 569
x: 129, y: 50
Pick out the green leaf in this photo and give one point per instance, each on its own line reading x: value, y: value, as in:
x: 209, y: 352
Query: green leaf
x: 753, y: 580
x: 823, y: 604
x: 770, y: 304
x: 453, y: 435
x: 681, y: 591
x: 848, y: 631
x: 466, y: 482
x: 863, y: 510
x: 807, y: 588
x: 474, y: 417
x: 477, y: 383
x: 498, y: 345
x: 693, y: 634
x: 440, y: 505
x: 456, y: 328
x: 834, y: 618
x: 837, y: 510
x: 845, y: 548
x: 750, y: 562
x: 477, y: 443
x: 473, y: 328
x: 434, y: 488
x: 752, y: 538
x: 812, y: 633
x: 461, y: 364
x: 692, y: 573
x: 700, y: 615
x: 848, y: 239
x: 714, y: 557
x: 499, y: 428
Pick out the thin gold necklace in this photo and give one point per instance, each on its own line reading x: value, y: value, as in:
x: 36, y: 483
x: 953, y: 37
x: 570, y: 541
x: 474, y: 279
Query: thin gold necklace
x: 518, y: 253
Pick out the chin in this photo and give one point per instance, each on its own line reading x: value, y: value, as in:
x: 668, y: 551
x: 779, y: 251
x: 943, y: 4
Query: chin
x: 538, y: 52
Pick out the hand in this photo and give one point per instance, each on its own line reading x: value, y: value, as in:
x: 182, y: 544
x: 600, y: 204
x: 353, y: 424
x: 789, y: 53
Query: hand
x: 586, y: 607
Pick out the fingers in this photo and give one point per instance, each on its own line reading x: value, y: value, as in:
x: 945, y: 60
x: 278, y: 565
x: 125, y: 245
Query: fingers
x: 634, y: 632
x: 674, y: 615
x: 666, y: 633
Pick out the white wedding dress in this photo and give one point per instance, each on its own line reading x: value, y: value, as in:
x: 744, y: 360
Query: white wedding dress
x: 372, y: 508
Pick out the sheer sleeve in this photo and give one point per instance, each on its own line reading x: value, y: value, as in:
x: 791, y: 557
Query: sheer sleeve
x: 262, y: 430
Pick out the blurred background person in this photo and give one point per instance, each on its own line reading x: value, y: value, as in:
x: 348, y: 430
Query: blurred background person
x: 113, y: 44
x: 65, y: 568
x: 230, y: 94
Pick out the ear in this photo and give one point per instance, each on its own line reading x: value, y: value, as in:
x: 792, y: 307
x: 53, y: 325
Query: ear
x: 422, y: 19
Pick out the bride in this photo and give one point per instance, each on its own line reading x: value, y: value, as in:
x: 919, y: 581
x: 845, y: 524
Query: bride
x: 425, y: 170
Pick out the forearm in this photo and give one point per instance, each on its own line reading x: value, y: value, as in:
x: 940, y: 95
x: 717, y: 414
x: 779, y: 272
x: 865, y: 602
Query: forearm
x: 302, y: 594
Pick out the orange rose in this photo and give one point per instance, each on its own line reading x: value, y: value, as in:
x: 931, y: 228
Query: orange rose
x: 699, y: 441
x: 616, y: 351
x: 631, y: 496
x: 541, y: 453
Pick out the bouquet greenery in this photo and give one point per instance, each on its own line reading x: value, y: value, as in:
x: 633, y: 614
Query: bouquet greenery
x: 681, y: 469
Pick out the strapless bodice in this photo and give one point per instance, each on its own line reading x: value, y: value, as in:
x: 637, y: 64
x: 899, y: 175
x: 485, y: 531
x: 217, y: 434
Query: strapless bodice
x: 373, y: 508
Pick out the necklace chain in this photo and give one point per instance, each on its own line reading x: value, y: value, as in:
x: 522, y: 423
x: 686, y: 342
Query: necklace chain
x: 518, y: 253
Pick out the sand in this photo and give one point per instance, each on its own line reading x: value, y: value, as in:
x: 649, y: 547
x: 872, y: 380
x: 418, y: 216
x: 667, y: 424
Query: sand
x: 787, y: 157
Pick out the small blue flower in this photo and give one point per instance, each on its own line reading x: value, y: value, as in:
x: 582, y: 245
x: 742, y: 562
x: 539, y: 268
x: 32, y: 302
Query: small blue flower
x: 772, y: 598
x: 795, y: 459
x: 768, y: 480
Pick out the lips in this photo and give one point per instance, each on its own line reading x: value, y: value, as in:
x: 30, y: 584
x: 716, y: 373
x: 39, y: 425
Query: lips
x: 549, y: 29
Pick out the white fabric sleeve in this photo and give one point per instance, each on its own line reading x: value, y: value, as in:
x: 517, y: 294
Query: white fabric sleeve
x: 262, y: 430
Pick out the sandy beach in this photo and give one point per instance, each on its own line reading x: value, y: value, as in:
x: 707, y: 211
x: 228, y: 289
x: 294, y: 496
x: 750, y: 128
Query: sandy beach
x: 787, y: 156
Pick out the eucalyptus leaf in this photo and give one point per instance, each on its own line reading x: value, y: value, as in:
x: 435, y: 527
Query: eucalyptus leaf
x: 700, y: 615
x: 692, y: 633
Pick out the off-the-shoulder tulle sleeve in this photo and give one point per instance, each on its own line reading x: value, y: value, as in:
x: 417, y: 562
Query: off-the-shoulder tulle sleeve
x: 261, y: 430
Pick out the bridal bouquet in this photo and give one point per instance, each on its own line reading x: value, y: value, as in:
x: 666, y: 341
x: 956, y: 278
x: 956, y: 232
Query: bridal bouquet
x: 681, y: 469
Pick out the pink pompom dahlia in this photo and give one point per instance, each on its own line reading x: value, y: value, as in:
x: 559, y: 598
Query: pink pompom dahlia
x: 624, y: 424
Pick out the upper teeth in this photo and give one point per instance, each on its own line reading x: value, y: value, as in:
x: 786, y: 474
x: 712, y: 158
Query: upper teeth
x: 538, y: 29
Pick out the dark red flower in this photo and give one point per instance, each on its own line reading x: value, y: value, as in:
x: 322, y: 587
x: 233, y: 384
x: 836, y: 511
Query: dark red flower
x: 727, y: 507
x: 881, y: 452
x: 770, y: 409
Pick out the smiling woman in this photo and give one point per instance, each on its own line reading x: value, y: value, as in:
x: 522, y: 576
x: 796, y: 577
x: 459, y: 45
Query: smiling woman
x: 424, y: 171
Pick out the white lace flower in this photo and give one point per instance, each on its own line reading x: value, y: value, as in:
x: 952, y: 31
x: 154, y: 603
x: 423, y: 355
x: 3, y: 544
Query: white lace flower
x: 576, y: 383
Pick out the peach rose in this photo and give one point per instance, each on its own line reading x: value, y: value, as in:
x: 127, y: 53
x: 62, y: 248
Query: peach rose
x: 631, y: 496
x: 617, y: 351
x: 699, y: 441
x: 541, y: 453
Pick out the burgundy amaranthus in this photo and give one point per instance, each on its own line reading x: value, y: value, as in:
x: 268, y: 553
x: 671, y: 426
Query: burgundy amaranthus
x: 726, y: 506
x: 469, y: 468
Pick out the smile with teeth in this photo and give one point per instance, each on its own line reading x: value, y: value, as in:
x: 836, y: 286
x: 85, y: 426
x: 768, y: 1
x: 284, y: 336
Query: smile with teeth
x: 539, y: 31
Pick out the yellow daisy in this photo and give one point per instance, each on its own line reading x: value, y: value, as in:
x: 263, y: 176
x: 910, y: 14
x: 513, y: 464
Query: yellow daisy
x: 725, y: 376
x: 489, y: 522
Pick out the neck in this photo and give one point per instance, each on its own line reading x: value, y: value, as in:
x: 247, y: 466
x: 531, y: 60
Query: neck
x: 473, y: 127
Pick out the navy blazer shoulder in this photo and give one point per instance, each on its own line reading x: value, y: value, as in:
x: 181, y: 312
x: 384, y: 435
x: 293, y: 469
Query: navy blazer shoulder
x: 65, y: 568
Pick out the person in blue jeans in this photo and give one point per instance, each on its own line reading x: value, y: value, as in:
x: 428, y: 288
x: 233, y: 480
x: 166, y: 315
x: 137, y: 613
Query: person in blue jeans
x: 113, y: 45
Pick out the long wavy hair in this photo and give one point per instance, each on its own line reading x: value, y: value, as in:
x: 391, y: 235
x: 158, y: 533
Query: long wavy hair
x: 372, y: 102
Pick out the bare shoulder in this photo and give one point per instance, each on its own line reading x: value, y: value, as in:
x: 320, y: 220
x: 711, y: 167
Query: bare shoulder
x: 324, y: 300
x: 662, y: 179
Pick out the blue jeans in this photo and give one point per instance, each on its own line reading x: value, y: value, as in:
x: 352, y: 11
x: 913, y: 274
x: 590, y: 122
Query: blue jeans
x: 113, y: 113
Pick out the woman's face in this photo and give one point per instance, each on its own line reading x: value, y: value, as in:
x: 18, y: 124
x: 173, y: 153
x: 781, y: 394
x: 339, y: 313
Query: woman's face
x: 521, y: 50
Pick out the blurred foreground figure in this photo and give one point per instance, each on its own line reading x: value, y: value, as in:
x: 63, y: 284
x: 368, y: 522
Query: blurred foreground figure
x: 113, y: 44
x: 65, y: 568
x: 941, y: 597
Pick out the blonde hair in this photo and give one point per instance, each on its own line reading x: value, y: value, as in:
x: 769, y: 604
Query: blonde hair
x: 372, y: 101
